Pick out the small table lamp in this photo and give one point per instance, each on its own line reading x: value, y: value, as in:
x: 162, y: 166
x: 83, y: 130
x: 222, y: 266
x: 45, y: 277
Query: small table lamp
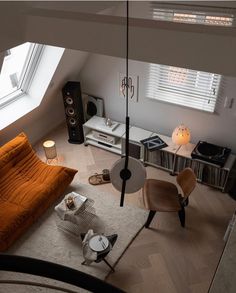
x: 180, y: 136
x: 50, y: 150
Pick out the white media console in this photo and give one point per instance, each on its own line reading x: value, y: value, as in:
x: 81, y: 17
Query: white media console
x: 170, y: 158
x: 97, y: 133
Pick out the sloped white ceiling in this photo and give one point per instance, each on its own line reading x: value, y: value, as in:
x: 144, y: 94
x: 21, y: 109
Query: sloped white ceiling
x: 81, y: 26
x: 76, y: 6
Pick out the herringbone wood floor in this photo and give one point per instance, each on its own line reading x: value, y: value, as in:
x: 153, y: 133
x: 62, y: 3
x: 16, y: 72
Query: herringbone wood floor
x: 165, y: 258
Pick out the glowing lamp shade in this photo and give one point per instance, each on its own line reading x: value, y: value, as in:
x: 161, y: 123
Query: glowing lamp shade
x: 136, y: 180
x: 50, y: 149
x: 181, y: 135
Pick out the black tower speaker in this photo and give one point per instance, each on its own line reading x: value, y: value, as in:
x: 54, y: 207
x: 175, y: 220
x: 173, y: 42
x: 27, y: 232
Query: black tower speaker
x: 74, y: 111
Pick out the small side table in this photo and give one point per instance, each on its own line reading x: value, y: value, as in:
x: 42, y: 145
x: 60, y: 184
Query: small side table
x: 101, y: 245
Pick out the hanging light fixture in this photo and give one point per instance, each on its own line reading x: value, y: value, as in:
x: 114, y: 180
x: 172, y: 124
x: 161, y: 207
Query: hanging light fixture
x: 127, y: 174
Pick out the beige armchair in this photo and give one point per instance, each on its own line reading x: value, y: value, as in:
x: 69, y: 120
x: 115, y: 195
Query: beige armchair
x: 163, y: 196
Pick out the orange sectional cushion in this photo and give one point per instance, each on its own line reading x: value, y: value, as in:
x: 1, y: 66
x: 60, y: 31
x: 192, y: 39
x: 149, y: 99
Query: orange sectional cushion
x: 12, y: 217
x: 13, y: 144
x: 28, y: 187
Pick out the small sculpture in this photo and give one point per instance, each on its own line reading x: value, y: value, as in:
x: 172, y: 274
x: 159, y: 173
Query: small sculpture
x: 70, y: 203
x: 108, y: 122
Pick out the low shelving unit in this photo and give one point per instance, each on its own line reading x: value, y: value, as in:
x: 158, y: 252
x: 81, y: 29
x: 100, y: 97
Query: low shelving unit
x: 175, y: 160
x: 171, y: 158
x: 97, y: 133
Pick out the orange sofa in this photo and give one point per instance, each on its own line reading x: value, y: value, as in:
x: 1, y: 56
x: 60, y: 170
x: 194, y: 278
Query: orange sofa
x: 27, y: 188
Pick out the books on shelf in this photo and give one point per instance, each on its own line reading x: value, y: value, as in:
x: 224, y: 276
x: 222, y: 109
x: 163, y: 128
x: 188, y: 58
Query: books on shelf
x: 161, y: 158
x: 206, y: 173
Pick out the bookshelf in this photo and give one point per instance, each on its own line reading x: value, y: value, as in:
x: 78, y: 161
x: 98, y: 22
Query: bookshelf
x: 164, y: 158
x: 171, y: 158
x: 175, y: 160
x: 136, y: 149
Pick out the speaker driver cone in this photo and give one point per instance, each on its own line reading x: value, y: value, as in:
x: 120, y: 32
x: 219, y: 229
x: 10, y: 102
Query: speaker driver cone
x: 91, y: 109
x: 72, y: 121
x: 69, y: 100
x: 70, y: 111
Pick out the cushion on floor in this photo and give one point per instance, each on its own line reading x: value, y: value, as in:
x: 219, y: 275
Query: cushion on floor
x: 28, y: 187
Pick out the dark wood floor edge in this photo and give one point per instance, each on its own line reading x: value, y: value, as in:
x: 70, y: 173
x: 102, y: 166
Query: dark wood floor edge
x: 223, y: 250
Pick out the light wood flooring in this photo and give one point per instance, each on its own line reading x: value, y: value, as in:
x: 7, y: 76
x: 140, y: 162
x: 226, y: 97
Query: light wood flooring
x: 165, y: 258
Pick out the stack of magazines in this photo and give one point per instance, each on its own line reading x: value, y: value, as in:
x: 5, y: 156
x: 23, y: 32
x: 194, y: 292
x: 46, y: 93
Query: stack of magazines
x: 153, y: 143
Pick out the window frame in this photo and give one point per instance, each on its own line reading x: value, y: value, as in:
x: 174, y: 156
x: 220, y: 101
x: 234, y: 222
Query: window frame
x: 38, y: 88
x: 27, y: 75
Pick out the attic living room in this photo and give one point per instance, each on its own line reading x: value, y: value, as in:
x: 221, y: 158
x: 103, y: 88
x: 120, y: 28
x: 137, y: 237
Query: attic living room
x: 117, y: 146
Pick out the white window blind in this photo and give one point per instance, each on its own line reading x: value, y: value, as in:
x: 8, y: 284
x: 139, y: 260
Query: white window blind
x: 195, y: 14
x: 186, y: 87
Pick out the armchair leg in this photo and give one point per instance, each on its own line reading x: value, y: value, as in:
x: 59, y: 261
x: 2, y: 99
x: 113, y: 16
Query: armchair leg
x: 181, y: 214
x: 186, y: 202
x: 149, y: 219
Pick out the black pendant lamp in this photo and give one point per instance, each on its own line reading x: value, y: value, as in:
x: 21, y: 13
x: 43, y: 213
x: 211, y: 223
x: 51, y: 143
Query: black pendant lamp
x: 127, y: 174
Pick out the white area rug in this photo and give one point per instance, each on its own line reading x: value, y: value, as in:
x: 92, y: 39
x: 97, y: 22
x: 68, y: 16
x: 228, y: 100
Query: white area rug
x: 45, y: 241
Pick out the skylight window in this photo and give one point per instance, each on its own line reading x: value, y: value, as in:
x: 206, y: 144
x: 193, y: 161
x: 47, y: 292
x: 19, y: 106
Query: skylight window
x: 29, y: 80
x: 17, y: 70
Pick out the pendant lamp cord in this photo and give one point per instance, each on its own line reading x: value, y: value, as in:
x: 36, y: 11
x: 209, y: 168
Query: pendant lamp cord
x: 127, y: 109
x: 127, y: 84
x: 127, y: 58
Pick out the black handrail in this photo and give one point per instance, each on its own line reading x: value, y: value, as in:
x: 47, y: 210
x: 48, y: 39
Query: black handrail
x: 33, y: 266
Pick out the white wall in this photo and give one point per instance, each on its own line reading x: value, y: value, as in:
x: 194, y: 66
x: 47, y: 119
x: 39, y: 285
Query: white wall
x: 50, y: 113
x: 100, y: 77
x: 150, y: 41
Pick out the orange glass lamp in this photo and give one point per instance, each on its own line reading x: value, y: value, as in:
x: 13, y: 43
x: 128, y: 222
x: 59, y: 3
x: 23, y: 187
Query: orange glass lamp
x: 181, y: 135
x: 49, y: 147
